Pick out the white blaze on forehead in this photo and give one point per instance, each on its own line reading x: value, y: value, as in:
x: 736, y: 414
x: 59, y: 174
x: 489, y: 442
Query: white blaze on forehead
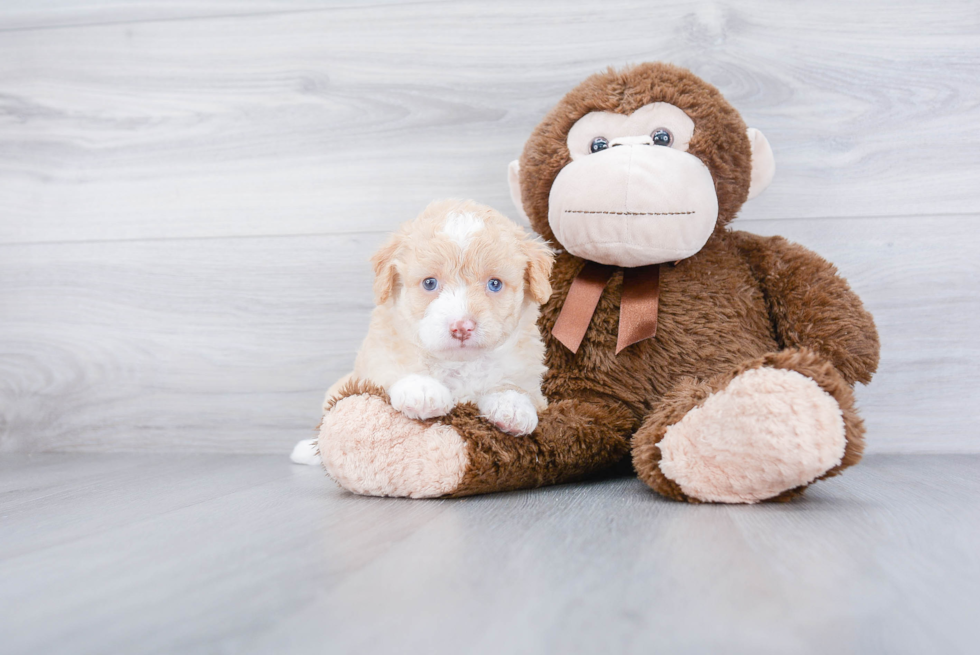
x: 451, y: 301
x: 461, y: 226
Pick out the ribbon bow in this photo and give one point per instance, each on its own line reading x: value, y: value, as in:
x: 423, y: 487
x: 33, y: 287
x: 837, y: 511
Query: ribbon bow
x: 637, y: 308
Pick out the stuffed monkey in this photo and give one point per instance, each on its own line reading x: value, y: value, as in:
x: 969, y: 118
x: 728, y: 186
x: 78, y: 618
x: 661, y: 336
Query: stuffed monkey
x: 721, y: 363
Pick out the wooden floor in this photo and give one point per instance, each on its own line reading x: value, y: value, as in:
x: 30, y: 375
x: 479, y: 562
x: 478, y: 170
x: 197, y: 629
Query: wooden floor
x: 213, y: 553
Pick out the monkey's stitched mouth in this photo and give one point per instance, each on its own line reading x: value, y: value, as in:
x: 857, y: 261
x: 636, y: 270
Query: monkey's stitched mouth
x: 585, y: 211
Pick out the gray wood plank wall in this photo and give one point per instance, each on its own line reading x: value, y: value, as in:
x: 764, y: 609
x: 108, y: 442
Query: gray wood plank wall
x: 189, y: 191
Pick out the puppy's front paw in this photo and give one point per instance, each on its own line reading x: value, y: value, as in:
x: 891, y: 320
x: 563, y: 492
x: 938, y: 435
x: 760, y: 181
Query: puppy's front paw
x: 422, y: 397
x: 511, y: 411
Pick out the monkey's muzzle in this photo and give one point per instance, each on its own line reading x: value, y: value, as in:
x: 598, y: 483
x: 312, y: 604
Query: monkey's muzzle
x: 633, y: 204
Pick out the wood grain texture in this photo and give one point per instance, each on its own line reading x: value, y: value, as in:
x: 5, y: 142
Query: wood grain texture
x: 228, y: 344
x: 17, y: 15
x: 189, y: 191
x: 210, y: 344
x: 249, y: 554
x: 310, y: 121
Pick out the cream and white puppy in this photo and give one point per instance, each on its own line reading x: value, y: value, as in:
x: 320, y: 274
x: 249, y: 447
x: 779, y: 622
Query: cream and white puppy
x: 458, y: 292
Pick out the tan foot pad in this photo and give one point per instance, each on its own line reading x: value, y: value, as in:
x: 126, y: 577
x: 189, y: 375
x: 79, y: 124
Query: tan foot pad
x: 369, y: 448
x: 768, y: 431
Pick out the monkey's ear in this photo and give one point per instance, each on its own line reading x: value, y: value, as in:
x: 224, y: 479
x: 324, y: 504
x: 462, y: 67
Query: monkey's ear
x: 763, y: 163
x: 385, y: 275
x: 514, y: 180
x: 538, y: 274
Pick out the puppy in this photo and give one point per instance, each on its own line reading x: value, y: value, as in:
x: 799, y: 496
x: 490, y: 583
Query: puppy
x: 458, y: 292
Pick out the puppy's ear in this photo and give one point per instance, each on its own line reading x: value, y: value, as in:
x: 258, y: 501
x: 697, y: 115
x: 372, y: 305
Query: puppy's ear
x: 385, y: 275
x: 538, y: 274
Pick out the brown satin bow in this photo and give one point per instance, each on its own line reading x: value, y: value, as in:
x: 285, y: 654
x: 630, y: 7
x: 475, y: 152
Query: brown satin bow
x: 637, y: 308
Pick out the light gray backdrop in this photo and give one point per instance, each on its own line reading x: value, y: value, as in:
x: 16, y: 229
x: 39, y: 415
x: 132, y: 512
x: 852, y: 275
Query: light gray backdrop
x: 189, y: 191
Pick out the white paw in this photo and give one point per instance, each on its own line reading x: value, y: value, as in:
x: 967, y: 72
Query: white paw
x: 305, y: 452
x: 511, y: 411
x: 422, y: 397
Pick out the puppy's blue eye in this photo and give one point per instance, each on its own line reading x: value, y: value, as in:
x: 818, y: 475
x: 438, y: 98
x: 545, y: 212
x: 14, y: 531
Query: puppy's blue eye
x: 430, y: 284
x: 495, y: 285
x: 599, y: 143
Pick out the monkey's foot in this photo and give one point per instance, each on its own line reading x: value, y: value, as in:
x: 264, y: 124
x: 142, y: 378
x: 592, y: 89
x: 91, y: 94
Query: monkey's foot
x: 370, y: 448
x: 767, y: 431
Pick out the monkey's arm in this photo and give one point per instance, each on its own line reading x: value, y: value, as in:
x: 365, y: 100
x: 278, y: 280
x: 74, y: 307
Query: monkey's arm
x: 811, y: 306
x: 574, y: 439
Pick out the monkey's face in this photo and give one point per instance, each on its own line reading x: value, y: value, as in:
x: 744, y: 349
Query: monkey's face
x: 639, y: 166
x: 632, y: 195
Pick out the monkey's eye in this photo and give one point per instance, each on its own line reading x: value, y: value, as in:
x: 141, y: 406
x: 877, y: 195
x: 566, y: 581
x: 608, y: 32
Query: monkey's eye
x: 495, y: 285
x: 662, y: 137
x: 430, y: 284
x: 599, y: 143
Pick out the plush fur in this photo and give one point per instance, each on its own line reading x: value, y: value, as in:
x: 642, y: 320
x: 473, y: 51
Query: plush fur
x: 742, y: 303
x: 765, y: 432
x: 719, y: 140
x: 426, y: 461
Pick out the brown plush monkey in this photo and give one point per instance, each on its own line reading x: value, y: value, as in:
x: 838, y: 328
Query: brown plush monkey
x: 721, y: 362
